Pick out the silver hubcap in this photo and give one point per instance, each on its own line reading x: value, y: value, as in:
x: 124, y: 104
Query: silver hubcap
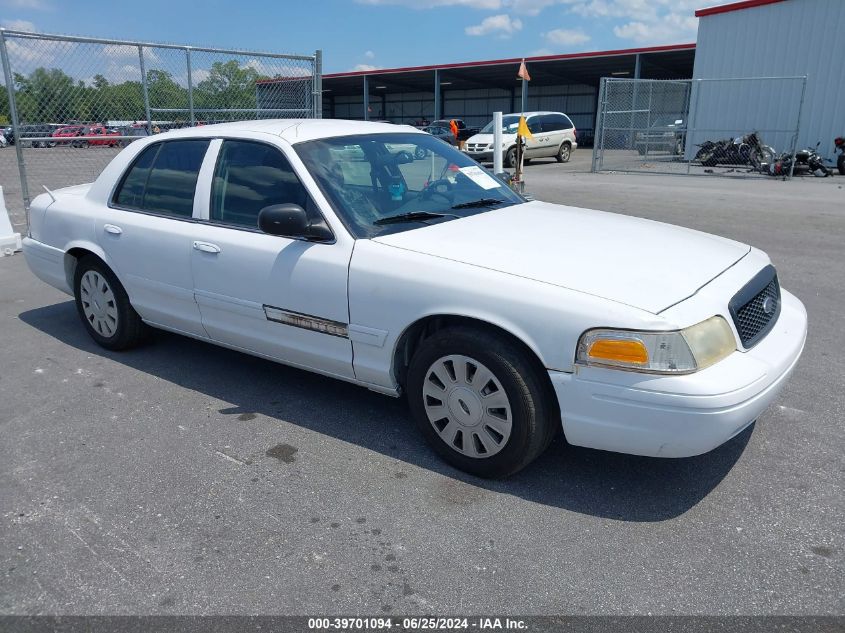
x: 467, y: 406
x: 98, y: 303
x: 564, y: 151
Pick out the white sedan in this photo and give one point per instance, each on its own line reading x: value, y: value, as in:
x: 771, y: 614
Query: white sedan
x: 330, y: 246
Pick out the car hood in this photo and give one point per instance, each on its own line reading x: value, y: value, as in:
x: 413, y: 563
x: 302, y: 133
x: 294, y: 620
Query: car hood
x: 645, y: 264
x: 487, y: 139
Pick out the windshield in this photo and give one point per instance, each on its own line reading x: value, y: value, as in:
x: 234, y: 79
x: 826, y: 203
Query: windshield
x: 369, y: 178
x: 509, y: 125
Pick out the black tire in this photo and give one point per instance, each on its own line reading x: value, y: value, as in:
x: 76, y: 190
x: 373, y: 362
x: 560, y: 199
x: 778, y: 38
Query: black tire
x: 510, y: 157
x: 708, y: 158
x: 840, y: 164
x: 534, y: 414
x: 564, y: 152
x: 129, y: 329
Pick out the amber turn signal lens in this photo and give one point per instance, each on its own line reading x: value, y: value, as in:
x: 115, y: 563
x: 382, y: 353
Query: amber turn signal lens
x: 625, y: 351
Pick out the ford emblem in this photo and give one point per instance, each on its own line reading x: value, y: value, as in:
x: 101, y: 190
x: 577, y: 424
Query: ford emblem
x: 769, y: 306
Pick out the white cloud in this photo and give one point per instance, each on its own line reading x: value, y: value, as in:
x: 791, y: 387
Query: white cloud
x: 37, y: 5
x: 562, y: 38
x: 528, y: 7
x: 19, y: 25
x: 360, y: 67
x: 645, y: 21
x: 369, y: 54
x: 502, y: 25
x: 668, y: 29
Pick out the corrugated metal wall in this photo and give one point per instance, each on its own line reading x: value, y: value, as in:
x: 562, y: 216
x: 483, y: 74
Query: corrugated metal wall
x: 794, y: 37
x: 475, y: 106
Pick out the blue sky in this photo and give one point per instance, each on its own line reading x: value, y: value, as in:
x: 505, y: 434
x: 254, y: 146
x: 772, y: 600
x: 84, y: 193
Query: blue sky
x: 362, y: 34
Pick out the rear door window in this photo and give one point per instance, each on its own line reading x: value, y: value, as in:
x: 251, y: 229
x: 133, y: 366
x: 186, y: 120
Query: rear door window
x: 535, y: 125
x: 163, y: 178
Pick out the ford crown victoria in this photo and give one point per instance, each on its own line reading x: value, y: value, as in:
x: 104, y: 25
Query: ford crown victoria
x: 337, y: 247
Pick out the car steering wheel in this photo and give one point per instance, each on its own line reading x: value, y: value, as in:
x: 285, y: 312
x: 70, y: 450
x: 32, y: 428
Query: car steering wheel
x: 434, y: 189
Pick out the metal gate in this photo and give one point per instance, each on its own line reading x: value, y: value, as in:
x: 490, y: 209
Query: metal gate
x: 697, y: 126
x: 73, y: 102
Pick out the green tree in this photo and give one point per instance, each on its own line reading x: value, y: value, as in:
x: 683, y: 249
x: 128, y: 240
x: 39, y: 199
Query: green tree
x: 228, y: 85
x: 46, y: 96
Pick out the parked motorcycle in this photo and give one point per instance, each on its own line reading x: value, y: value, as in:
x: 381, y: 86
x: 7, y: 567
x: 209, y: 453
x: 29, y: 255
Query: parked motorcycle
x: 809, y: 158
x: 839, y: 146
x: 742, y: 150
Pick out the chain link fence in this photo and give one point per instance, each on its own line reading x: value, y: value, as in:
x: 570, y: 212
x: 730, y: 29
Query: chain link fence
x: 746, y: 127
x: 74, y: 102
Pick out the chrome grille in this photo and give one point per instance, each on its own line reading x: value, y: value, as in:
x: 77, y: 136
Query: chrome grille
x: 756, y: 307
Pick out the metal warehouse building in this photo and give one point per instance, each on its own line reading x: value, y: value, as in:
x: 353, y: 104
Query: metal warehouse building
x: 775, y: 38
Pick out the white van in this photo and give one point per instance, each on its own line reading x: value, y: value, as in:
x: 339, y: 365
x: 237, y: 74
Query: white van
x: 554, y: 136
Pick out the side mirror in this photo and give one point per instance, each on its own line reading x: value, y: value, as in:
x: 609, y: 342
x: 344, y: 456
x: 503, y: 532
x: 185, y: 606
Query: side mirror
x: 291, y: 220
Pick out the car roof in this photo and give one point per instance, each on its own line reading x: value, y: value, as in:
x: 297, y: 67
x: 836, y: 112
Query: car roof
x: 294, y: 130
x: 530, y: 114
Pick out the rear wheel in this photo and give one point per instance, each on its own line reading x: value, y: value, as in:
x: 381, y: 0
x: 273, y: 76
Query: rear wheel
x: 103, y: 306
x: 564, y: 152
x: 840, y: 164
x: 480, y: 401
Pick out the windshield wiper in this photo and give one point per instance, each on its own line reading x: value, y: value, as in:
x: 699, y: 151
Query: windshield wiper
x: 413, y: 216
x: 481, y: 202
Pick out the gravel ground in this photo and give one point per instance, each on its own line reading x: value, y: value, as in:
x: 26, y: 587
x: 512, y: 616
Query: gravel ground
x: 184, y: 478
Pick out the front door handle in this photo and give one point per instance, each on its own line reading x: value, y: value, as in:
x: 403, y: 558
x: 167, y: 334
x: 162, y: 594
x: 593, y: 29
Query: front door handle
x: 111, y: 228
x: 205, y: 247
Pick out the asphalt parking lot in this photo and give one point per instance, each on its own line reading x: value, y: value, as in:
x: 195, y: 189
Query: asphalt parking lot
x: 184, y: 478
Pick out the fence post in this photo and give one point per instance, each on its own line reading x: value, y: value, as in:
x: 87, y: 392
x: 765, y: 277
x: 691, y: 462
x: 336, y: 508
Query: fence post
x: 318, y: 84
x: 695, y: 84
x: 598, y: 133
x: 797, y: 127
x: 190, y: 86
x: 13, y: 112
x: 144, y: 87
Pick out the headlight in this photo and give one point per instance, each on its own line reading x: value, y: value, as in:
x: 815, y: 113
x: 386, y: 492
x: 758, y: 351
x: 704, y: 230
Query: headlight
x: 679, y: 352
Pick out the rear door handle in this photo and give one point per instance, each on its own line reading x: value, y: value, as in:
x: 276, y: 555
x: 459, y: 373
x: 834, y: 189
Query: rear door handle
x: 111, y: 228
x: 205, y: 247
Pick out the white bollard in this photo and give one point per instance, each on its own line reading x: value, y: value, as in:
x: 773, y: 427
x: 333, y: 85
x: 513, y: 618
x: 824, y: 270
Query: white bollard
x: 497, y: 142
x: 9, y: 242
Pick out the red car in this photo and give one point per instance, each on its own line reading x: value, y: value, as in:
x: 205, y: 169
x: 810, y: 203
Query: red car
x: 103, y: 135
x: 67, y: 132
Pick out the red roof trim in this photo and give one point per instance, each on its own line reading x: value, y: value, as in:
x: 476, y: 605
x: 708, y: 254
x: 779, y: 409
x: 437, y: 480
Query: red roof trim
x: 514, y: 60
x: 734, y: 6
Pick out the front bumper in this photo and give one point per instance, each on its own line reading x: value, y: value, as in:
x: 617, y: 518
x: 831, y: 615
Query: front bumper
x: 482, y: 156
x: 681, y: 416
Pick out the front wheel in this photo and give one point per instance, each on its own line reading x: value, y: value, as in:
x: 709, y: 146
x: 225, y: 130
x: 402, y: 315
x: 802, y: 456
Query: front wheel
x: 480, y: 401
x: 840, y: 164
x: 564, y: 152
x: 510, y: 157
x: 103, y: 306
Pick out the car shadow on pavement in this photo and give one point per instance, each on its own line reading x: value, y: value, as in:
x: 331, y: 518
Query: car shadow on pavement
x: 592, y: 482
